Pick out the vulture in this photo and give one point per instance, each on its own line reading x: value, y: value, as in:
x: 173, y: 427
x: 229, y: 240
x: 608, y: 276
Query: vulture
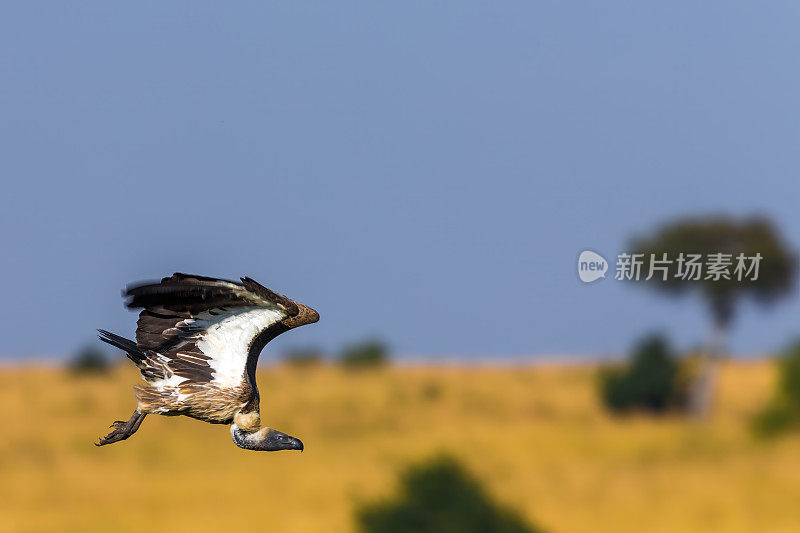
x: 197, y: 345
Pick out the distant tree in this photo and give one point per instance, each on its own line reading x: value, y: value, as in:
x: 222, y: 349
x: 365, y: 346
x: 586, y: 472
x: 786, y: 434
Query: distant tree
x: 89, y: 360
x: 751, y: 236
x: 650, y: 382
x: 304, y: 356
x: 364, y: 354
x: 783, y: 410
x: 439, y: 496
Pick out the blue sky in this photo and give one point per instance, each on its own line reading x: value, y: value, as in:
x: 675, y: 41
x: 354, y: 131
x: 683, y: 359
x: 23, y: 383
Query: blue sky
x: 425, y: 172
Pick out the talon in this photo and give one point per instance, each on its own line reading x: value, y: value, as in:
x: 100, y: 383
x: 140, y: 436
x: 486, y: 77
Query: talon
x: 121, y: 430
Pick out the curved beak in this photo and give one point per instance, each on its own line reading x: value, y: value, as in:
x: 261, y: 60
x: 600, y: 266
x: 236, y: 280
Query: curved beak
x: 296, y: 444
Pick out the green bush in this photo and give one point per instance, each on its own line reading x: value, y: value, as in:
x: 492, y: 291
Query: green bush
x: 650, y: 382
x: 439, y: 496
x: 365, y: 354
x: 789, y: 383
x: 89, y: 360
x: 303, y: 357
x: 783, y: 411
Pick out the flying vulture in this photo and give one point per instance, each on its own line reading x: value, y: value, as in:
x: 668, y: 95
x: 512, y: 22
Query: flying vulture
x: 197, y: 345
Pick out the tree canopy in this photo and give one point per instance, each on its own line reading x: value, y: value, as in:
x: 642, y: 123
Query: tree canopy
x: 750, y: 237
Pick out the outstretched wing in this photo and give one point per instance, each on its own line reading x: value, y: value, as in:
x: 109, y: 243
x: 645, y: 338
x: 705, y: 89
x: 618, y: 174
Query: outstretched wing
x: 200, y: 329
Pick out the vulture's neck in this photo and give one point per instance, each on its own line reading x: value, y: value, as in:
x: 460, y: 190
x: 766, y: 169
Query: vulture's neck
x: 249, y: 440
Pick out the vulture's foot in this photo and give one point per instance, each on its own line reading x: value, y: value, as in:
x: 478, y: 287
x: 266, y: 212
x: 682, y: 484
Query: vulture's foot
x: 122, y: 429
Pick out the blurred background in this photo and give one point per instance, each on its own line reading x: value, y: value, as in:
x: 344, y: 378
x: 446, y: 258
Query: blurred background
x: 425, y: 176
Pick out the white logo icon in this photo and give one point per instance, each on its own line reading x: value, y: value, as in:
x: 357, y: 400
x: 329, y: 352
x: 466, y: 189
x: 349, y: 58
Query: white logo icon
x: 591, y: 266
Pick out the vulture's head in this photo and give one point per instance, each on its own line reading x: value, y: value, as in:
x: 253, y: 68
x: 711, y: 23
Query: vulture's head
x: 275, y: 441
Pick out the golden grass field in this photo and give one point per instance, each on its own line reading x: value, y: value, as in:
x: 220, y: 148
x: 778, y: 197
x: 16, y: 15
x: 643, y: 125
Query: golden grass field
x: 536, y: 436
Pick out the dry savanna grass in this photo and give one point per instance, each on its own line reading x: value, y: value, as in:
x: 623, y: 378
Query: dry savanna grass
x: 536, y: 436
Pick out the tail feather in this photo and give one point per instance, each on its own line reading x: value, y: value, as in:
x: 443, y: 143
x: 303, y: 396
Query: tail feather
x: 135, y: 354
x: 150, y: 369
